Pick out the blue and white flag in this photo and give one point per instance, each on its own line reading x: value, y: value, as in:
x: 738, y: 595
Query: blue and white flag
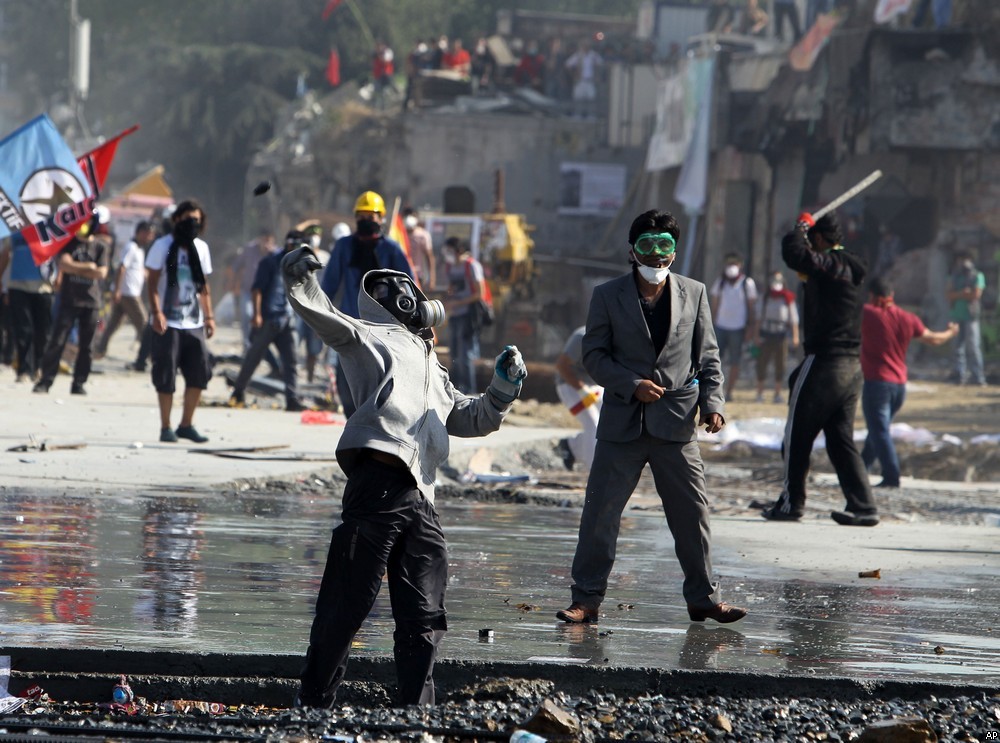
x: 43, y: 191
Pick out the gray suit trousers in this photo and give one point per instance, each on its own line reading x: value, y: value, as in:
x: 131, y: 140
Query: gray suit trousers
x: 680, y: 482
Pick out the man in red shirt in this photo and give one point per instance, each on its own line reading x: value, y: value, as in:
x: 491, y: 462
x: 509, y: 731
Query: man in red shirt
x: 886, y: 332
x: 458, y: 59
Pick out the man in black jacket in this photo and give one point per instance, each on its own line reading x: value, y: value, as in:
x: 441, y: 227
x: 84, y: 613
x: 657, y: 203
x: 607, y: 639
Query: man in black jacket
x: 826, y: 386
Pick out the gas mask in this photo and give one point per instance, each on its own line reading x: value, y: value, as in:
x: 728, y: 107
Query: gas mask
x: 398, y: 295
x: 368, y: 229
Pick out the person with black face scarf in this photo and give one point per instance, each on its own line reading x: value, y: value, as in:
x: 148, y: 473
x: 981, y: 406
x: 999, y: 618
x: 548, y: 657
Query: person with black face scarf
x: 352, y: 257
x: 182, y: 319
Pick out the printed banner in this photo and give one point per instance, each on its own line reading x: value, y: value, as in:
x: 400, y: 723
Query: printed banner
x: 47, y: 237
x: 676, y: 106
x: 591, y: 188
x: 691, y: 190
x: 41, y: 183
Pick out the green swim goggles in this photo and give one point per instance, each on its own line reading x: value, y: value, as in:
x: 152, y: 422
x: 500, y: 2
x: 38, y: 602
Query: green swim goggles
x: 656, y: 244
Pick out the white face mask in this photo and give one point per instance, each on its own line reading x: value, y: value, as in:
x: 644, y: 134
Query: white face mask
x: 732, y: 272
x: 777, y: 286
x: 652, y: 275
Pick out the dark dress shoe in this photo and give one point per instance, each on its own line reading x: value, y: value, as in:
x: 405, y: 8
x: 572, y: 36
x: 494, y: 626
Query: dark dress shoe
x: 773, y: 514
x: 578, y: 614
x: 721, y: 613
x: 846, y: 518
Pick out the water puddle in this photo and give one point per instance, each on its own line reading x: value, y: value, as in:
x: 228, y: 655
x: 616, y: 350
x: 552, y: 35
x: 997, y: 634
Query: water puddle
x: 240, y: 574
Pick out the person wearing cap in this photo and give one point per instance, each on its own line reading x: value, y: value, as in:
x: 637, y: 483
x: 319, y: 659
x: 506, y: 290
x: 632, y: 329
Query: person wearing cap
x: 272, y: 323
x: 390, y: 451
x: 366, y: 249
x: 84, y: 265
x: 826, y: 386
x: 651, y: 344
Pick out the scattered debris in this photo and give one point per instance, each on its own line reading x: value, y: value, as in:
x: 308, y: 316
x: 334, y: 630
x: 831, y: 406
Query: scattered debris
x: 34, y: 445
x: 899, y: 730
x: 528, y: 607
x: 939, y: 649
x: 721, y: 722
x: 626, y: 607
x: 8, y: 702
x: 876, y: 573
x: 551, y: 719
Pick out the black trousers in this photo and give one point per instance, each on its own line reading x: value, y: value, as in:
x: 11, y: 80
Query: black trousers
x: 824, y: 397
x: 388, y: 526
x: 86, y: 320
x: 31, y: 320
x: 280, y: 333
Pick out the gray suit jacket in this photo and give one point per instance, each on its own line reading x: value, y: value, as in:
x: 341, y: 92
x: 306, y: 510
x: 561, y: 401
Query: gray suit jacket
x: 618, y: 352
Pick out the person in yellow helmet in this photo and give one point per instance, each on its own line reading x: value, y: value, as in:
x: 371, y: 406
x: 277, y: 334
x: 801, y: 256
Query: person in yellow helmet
x: 366, y: 249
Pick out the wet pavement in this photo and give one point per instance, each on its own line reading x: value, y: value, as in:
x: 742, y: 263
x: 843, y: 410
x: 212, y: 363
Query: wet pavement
x: 239, y: 572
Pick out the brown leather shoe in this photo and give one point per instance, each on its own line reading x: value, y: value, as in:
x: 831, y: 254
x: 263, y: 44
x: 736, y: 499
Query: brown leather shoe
x: 578, y: 614
x: 721, y: 613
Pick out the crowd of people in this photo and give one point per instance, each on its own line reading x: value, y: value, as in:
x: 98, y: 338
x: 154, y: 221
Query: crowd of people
x: 570, y: 73
x: 658, y: 357
x: 854, y: 341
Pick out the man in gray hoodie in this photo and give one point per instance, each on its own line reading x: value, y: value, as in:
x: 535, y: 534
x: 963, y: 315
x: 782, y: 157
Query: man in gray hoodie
x: 390, y: 450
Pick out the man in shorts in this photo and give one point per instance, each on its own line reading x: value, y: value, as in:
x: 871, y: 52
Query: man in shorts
x: 181, y: 307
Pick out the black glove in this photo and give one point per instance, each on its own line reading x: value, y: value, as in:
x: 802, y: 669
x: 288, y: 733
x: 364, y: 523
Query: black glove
x: 299, y: 263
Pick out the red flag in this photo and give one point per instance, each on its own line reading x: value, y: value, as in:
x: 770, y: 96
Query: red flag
x: 333, y: 69
x: 45, y: 241
x: 331, y: 6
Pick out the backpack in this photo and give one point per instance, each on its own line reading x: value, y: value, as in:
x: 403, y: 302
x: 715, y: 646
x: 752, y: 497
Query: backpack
x: 481, y: 312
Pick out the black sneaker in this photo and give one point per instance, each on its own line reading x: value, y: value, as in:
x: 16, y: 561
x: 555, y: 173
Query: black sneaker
x: 77, y: 389
x: 190, y: 433
x: 294, y: 406
x: 41, y: 388
x: 846, y: 518
x: 136, y: 367
x: 774, y: 514
x: 890, y: 485
x: 168, y: 436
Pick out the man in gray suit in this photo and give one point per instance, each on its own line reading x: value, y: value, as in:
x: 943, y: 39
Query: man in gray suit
x: 650, y: 343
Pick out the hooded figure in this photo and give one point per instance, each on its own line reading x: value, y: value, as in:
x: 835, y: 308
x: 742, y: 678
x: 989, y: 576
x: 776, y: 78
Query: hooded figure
x: 390, y: 450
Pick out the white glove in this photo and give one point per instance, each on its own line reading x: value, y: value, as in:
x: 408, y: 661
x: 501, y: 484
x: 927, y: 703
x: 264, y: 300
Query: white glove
x: 508, y: 374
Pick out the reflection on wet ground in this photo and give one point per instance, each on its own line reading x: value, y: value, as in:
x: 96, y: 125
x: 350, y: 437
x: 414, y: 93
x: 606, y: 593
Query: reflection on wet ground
x: 240, y: 573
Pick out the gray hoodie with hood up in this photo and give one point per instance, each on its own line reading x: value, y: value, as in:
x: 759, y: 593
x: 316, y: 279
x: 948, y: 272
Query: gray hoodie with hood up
x: 407, y: 405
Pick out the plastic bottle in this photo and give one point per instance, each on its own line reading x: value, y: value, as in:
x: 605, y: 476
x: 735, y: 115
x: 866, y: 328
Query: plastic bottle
x: 523, y: 736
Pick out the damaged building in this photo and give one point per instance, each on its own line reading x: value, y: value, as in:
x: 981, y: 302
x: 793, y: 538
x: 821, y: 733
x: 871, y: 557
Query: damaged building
x: 735, y: 134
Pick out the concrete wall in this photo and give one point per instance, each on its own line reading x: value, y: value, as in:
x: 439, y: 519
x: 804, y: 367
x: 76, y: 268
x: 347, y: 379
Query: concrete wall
x: 446, y: 148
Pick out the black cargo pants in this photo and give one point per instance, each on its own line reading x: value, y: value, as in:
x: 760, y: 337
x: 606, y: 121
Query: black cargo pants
x: 824, y: 397
x: 388, y: 527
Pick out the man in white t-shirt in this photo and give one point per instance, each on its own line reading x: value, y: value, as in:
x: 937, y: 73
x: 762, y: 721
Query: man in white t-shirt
x: 181, y: 307
x: 733, y: 299
x: 583, y: 65
x: 129, y: 280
